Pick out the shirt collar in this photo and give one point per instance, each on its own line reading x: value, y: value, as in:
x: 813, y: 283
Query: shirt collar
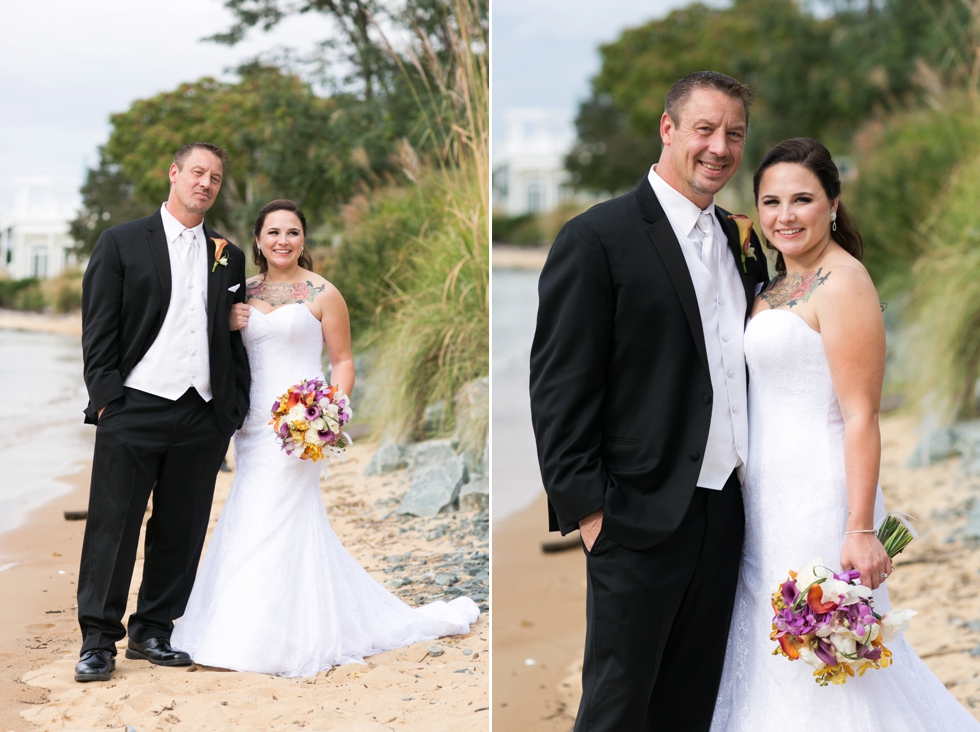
x: 680, y: 210
x: 172, y: 228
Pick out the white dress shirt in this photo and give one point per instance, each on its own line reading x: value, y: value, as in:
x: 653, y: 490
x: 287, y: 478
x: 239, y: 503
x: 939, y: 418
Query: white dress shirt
x: 179, y: 357
x: 721, y: 302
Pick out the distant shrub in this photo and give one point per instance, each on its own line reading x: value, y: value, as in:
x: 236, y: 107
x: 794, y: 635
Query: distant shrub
x: 11, y: 292
x: 65, y: 291
x: 519, y: 230
x: 31, y: 298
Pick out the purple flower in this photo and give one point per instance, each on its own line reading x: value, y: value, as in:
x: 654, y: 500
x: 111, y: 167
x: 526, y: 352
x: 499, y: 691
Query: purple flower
x: 848, y: 576
x: 275, y: 406
x: 825, y: 652
x: 790, y: 593
x: 327, y: 435
x: 873, y: 655
x: 312, y: 412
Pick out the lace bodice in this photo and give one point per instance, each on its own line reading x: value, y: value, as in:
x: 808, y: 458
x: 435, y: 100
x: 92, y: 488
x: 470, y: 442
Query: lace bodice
x: 284, y: 347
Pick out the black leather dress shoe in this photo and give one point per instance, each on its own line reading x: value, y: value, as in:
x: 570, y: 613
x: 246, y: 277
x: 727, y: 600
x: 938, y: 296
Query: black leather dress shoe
x: 95, y: 666
x: 158, y: 651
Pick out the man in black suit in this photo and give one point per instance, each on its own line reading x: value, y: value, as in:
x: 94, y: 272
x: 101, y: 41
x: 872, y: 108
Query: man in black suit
x: 638, y: 396
x: 168, y: 384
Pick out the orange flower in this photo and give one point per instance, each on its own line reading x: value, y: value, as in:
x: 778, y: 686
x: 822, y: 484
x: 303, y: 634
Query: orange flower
x: 219, y: 248
x: 790, y: 648
x: 815, y: 598
x: 744, y: 224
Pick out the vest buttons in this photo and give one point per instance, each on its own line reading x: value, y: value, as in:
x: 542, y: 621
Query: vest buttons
x: 695, y: 455
x: 706, y: 398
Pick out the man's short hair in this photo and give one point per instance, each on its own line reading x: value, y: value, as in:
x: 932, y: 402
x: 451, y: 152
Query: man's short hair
x: 681, y: 90
x: 186, y: 150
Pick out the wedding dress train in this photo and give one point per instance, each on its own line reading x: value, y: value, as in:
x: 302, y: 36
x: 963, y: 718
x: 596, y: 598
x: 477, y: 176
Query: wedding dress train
x: 795, y: 510
x: 276, y: 592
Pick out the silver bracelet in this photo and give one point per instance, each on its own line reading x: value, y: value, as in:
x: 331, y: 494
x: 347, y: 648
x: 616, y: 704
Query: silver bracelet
x: 861, y: 531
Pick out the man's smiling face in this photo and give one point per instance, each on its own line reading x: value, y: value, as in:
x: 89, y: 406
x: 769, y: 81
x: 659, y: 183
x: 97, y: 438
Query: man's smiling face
x: 703, y: 147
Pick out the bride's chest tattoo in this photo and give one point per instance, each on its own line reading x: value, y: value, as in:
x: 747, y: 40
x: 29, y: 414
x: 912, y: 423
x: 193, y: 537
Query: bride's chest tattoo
x: 282, y: 293
x: 788, y: 290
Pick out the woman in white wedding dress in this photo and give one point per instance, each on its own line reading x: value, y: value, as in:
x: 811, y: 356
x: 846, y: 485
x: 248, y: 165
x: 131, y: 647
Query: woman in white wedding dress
x: 815, y: 350
x: 276, y: 592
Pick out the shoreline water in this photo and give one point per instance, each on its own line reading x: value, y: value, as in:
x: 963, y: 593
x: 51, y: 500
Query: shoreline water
x: 43, y: 437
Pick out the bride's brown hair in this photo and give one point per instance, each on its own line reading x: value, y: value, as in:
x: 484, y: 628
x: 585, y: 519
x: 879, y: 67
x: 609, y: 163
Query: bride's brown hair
x: 816, y: 158
x: 280, y: 204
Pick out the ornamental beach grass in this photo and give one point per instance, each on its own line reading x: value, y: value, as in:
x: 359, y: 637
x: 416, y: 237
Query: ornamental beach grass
x: 946, y: 300
x: 433, y: 326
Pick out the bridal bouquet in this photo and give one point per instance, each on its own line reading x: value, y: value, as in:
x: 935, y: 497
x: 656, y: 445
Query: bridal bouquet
x: 309, y: 418
x: 828, y: 619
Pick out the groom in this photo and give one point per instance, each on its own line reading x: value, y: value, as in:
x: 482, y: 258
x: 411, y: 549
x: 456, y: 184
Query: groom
x: 638, y: 400
x: 168, y: 385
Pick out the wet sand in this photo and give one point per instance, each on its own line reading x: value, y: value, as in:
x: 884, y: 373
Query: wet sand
x: 539, y: 599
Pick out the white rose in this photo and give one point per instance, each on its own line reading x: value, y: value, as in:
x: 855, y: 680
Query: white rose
x: 312, y: 437
x: 319, y: 423
x: 297, y: 413
x: 894, y: 622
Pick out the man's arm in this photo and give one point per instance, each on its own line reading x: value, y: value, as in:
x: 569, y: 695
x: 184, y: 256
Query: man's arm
x: 569, y: 359
x: 102, y: 292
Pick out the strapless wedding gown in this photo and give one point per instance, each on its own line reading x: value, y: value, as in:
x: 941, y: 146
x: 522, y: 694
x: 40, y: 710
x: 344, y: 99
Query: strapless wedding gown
x: 796, y: 509
x: 276, y: 592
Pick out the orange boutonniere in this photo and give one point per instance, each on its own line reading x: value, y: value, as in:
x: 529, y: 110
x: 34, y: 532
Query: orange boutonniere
x: 744, y: 224
x: 219, y: 256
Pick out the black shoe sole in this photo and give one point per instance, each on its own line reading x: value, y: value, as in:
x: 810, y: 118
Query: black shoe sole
x: 137, y: 656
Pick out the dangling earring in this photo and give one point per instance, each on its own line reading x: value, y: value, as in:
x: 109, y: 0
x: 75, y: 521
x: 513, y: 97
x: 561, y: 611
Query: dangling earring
x: 833, y: 221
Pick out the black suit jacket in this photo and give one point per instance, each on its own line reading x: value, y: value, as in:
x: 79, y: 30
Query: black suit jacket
x: 620, y: 390
x: 125, y: 295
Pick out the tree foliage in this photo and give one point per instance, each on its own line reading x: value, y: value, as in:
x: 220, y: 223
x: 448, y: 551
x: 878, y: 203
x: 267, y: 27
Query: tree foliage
x: 814, y: 76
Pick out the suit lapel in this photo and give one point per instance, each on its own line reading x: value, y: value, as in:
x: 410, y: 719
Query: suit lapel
x: 735, y: 246
x: 161, y: 255
x: 214, y: 279
x: 664, y: 239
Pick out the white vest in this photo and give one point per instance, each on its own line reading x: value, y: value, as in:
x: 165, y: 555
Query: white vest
x: 179, y: 358
x: 721, y: 302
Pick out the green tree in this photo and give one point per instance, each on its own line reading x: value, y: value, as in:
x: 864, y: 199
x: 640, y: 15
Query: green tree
x: 282, y: 139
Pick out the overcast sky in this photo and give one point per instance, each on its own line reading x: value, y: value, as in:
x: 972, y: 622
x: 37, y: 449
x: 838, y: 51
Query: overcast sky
x: 546, y: 51
x: 66, y: 65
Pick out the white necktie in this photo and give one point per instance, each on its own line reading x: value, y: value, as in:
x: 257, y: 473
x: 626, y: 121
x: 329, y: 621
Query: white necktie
x: 190, y: 246
x: 706, y: 224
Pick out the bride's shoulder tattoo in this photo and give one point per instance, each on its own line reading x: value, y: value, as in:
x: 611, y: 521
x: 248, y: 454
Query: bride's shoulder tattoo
x: 282, y: 293
x: 788, y: 290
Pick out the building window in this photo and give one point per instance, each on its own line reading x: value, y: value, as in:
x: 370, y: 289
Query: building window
x: 535, y: 197
x: 39, y: 262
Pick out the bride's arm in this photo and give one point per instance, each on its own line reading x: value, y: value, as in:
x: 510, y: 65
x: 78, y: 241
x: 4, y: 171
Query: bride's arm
x: 853, y: 331
x: 335, y: 322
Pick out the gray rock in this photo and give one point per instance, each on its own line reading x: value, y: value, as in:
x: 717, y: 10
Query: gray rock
x: 390, y: 456
x: 938, y: 444
x: 435, y: 489
x: 434, y: 417
x: 446, y: 579
x: 971, y: 532
x: 967, y: 443
x: 424, y: 455
x: 435, y: 651
x: 475, y: 495
x: 467, y: 651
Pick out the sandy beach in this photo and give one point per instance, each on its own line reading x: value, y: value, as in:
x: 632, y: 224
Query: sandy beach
x: 412, y: 688
x: 70, y: 324
x: 539, y: 599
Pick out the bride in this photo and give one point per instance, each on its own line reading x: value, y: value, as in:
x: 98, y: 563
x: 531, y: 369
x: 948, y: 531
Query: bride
x: 815, y: 350
x: 277, y: 593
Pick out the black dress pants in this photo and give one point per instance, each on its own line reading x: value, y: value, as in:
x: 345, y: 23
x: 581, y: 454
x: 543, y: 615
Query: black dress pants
x: 658, y: 619
x: 143, y: 444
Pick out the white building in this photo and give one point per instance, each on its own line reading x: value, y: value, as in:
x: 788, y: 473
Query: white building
x: 529, y: 173
x: 34, y: 238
